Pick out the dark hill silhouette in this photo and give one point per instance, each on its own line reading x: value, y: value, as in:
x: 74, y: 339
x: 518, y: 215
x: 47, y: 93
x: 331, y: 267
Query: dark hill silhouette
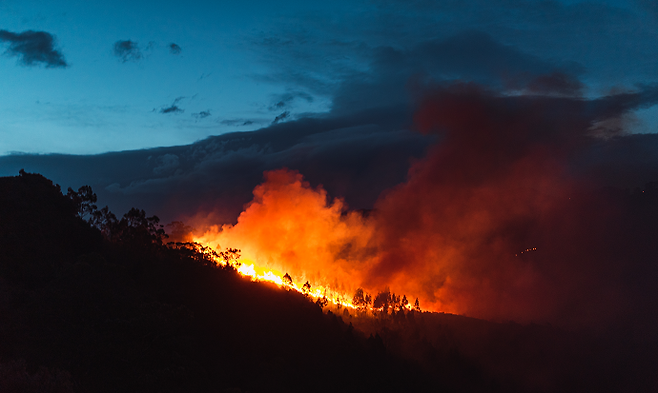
x: 129, y: 314
x: 109, y: 307
x: 39, y: 227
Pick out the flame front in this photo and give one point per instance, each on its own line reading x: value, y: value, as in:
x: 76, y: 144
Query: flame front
x: 247, y: 269
x: 290, y: 228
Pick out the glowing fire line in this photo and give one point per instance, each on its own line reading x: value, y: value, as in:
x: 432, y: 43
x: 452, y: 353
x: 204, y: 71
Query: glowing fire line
x: 248, y: 268
x: 256, y: 273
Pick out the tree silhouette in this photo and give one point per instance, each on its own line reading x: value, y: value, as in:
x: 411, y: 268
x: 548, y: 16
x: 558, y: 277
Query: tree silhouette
x: 382, y: 300
x: 104, y: 220
x: 322, y: 302
x: 358, y: 299
x: 84, y: 200
x: 417, y: 305
x: 230, y: 257
x: 135, y: 228
x: 306, y: 288
x: 395, y: 302
x: 179, y: 232
x: 361, y: 299
x: 196, y: 252
x: 287, y: 280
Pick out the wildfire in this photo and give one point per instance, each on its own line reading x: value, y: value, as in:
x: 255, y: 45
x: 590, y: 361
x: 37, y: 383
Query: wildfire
x: 295, y: 236
x: 321, y: 294
x: 449, y: 234
x: 291, y: 233
x: 257, y: 273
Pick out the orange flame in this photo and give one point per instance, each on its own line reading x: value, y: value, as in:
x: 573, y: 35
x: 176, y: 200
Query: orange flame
x: 290, y: 227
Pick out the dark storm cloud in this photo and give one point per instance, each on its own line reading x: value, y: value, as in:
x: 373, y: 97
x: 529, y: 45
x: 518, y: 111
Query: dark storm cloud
x: 502, y: 44
x: 474, y: 56
x: 33, y: 47
x: 354, y: 157
x: 523, y: 21
x: 174, y: 49
x: 166, y: 164
x: 127, y: 50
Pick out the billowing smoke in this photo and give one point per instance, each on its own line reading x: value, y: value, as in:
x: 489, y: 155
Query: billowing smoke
x: 294, y: 228
x: 482, y: 224
x: 497, y: 221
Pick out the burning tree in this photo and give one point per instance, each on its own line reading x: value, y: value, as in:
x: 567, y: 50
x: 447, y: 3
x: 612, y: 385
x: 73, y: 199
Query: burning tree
x: 287, y: 280
x: 361, y: 299
x: 306, y: 289
x: 382, y: 301
x: 395, y: 302
x: 230, y: 257
x: 322, y: 302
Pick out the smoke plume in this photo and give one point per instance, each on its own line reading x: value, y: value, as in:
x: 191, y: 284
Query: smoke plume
x: 497, y: 221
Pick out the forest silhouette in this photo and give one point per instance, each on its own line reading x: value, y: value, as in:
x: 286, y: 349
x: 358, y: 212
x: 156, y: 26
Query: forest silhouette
x: 90, y: 302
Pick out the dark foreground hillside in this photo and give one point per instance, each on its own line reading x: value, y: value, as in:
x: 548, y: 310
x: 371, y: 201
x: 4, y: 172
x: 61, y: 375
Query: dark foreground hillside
x: 80, y: 313
x: 109, y: 308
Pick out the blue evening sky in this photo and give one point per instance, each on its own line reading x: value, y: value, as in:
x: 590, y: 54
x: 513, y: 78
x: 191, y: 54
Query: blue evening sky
x: 140, y: 74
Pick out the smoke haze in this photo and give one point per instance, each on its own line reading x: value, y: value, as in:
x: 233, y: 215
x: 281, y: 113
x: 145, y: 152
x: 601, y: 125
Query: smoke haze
x: 501, y: 220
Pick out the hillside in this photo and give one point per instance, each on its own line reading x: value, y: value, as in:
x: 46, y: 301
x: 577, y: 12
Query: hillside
x: 85, y: 310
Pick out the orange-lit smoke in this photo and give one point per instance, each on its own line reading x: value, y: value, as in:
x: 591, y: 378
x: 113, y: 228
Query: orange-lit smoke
x: 292, y: 228
x: 495, y: 185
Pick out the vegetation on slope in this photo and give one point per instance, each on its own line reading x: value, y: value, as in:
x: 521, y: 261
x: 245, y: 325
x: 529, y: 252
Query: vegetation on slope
x: 93, y: 303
